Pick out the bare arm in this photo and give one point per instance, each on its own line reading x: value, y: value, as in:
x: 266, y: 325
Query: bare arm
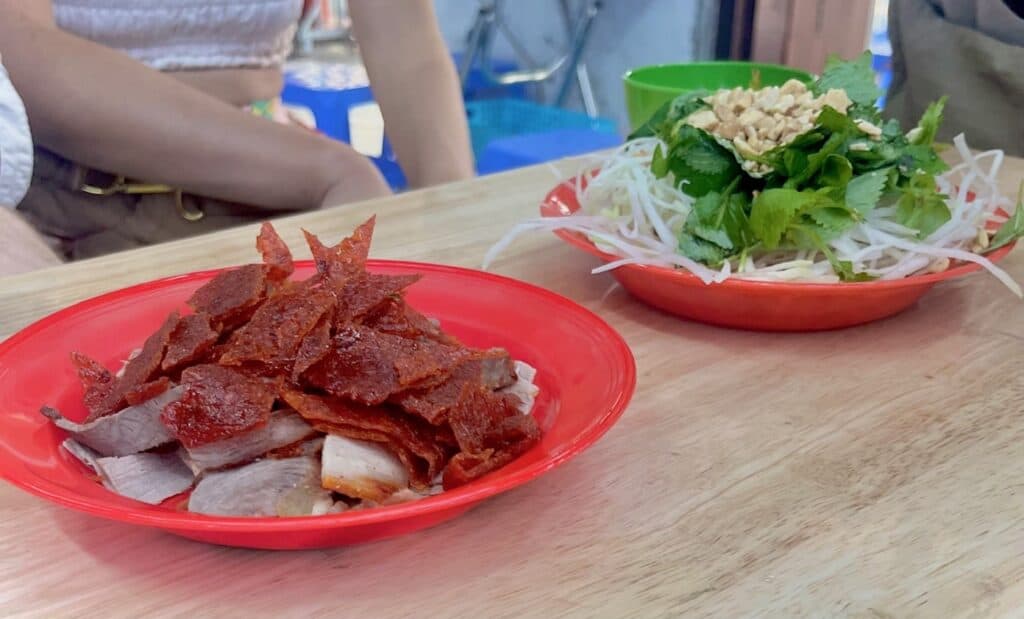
x: 102, y: 108
x: 21, y: 247
x: 415, y: 83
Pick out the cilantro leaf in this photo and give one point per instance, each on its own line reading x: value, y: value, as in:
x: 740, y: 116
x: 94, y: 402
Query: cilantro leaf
x: 854, y: 76
x: 1013, y: 229
x: 864, y: 191
x: 928, y: 126
x: 921, y: 206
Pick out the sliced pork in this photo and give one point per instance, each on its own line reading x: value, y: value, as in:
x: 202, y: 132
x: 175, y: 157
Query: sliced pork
x: 288, y: 487
x: 128, y: 431
x: 148, y: 477
x: 285, y: 428
x: 361, y: 469
x: 523, y: 388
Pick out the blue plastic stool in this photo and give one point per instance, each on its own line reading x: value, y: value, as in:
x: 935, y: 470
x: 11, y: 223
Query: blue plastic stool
x: 329, y: 90
x: 523, y: 150
x: 497, y: 119
x: 478, y: 87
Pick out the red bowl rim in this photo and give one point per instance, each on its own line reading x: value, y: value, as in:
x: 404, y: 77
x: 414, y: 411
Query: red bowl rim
x: 555, y: 206
x: 464, y: 496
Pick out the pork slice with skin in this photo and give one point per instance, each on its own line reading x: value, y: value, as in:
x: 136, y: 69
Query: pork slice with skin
x: 283, y: 429
x: 128, y: 431
x: 271, y: 487
x: 523, y: 388
x: 361, y: 469
x: 148, y: 477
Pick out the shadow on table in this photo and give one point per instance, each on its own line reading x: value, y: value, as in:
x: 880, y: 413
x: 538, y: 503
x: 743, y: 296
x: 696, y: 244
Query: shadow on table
x: 500, y: 537
x: 943, y: 310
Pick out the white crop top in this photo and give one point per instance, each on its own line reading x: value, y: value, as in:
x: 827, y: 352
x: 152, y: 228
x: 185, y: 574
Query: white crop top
x: 187, y: 34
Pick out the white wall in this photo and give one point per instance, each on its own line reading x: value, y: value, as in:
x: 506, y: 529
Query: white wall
x: 625, y: 34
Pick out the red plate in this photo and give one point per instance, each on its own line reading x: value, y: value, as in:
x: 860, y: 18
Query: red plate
x: 758, y: 305
x: 585, y: 372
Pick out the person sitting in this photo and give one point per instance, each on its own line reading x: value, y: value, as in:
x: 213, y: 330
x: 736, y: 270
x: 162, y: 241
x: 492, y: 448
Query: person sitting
x: 21, y: 248
x: 146, y: 115
x: 972, y: 51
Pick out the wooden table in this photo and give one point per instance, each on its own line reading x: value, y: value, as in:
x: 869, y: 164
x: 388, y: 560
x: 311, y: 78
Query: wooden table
x: 872, y: 472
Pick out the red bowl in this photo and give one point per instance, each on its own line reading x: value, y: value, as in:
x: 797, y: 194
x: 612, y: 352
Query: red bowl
x: 585, y: 372
x: 758, y: 305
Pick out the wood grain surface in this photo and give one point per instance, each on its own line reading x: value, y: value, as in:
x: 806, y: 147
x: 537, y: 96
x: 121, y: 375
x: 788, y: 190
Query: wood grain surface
x: 874, y: 472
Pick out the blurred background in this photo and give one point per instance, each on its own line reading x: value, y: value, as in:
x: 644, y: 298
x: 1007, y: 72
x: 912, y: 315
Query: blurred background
x: 542, y: 79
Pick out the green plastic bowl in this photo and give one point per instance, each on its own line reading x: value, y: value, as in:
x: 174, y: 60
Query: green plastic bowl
x: 648, y: 88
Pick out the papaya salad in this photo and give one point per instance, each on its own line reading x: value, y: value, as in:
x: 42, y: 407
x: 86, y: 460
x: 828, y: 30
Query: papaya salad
x: 798, y: 183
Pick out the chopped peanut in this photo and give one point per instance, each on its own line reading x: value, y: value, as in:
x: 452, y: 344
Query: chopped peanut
x: 756, y: 121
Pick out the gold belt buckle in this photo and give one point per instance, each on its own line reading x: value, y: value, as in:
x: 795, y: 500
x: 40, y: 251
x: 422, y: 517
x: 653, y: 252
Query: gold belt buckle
x: 121, y: 185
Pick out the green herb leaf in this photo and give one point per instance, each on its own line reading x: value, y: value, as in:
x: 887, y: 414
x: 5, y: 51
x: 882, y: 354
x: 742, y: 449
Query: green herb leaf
x: 718, y: 236
x: 864, y: 191
x: 833, y: 219
x: 1013, y: 229
x: 836, y: 171
x: 835, y: 121
x: 921, y: 206
x: 705, y: 208
x: 700, y: 250
x: 699, y: 163
x: 812, y: 239
x: 815, y: 160
x: 773, y: 211
x: 928, y: 126
x: 720, y: 219
x: 923, y: 158
x: 844, y: 269
x: 666, y: 117
x: 659, y: 165
x: 854, y: 76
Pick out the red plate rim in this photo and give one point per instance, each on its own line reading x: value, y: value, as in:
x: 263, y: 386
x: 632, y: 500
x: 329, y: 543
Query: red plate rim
x: 471, y: 493
x: 555, y: 204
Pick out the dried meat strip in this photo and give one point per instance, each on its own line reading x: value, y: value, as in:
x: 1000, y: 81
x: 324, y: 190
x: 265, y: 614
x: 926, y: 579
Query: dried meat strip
x: 230, y: 298
x: 277, y: 328
x: 139, y: 370
x: 491, y: 430
x: 314, y: 346
x: 276, y: 254
x: 397, y: 317
x: 485, y: 420
x: 190, y: 340
x: 368, y: 366
x: 97, y: 381
x: 344, y: 260
x: 376, y: 423
x: 218, y: 403
x: 464, y: 467
x: 363, y: 293
x: 492, y: 369
x: 147, y: 391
